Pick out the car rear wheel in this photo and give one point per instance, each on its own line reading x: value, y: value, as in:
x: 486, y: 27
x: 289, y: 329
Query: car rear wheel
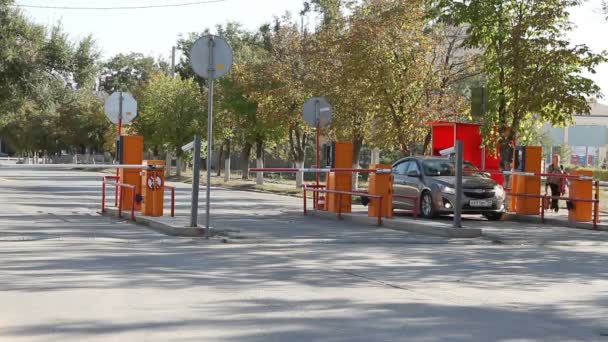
x: 494, y: 216
x: 426, y: 205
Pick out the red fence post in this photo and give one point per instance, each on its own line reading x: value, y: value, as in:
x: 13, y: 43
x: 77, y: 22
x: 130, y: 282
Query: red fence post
x: 172, y: 201
x: 339, y: 206
x: 119, y: 201
x: 542, y: 209
x: 380, y: 211
x: 133, y: 204
x: 596, y: 207
x: 304, y: 188
x: 103, y: 196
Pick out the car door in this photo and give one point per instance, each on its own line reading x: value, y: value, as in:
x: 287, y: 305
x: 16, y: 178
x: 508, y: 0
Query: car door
x: 399, y: 184
x: 413, y: 185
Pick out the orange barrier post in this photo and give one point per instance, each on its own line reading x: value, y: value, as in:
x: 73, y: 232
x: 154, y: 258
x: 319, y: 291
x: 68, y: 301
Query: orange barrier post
x: 579, y: 188
x: 528, y: 185
x: 381, y: 184
x: 340, y: 181
x: 153, y: 189
x: 132, y: 152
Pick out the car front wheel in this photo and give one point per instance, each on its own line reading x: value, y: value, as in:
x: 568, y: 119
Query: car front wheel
x: 426, y: 205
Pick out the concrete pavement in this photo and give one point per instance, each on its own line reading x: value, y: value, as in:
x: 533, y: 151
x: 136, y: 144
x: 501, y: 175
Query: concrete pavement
x: 68, y: 274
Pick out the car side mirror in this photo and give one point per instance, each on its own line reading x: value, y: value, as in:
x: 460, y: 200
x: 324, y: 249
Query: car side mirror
x: 413, y: 173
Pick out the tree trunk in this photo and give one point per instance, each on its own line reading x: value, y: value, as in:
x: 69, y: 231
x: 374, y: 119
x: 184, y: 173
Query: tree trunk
x: 227, y: 162
x: 219, y: 160
x: 299, y: 175
x: 297, y: 145
x: 168, y: 164
x: 506, y: 155
x: 357, y: 144
x: 178, y: 166
x: 245, y: 155
x: 427, y: 143
x: 375, y: 158
x: 259, y: 155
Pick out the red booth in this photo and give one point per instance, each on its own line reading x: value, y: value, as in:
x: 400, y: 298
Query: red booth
x: 445, y: 134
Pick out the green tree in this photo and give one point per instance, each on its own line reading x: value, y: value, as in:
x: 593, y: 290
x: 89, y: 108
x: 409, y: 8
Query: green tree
x: 170, y: 113
x: 40, y: 72
x: 126, y: 72
x: 532, y: 70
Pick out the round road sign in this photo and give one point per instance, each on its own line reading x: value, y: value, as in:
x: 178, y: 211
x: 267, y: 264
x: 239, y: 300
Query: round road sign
x: 112, y: 107
x: 317, y: 110
x: 211, y: 56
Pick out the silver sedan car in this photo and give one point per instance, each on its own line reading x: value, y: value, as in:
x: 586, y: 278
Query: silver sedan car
x: 432, y: 179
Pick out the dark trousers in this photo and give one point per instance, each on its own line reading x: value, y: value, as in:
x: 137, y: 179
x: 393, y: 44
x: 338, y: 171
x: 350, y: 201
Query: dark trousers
x: 555, y: 193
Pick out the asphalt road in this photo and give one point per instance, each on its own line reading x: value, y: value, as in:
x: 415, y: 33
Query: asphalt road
x: 68, y: 274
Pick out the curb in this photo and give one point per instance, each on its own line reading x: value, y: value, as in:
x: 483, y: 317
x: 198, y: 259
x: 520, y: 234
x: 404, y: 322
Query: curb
x: 159, y: 226
x: 407, y: 225
x: 553, y: 222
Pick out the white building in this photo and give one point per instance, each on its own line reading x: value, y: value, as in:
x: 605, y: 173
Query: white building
x: 587, y: 138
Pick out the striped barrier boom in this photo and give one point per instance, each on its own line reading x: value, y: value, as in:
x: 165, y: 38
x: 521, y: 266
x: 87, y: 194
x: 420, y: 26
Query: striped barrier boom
x: 317, y: 170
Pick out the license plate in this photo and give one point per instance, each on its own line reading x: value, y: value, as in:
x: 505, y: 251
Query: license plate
x: 480, y: 203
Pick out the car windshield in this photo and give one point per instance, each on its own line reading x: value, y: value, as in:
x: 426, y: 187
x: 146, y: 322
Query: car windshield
x: 440, y: 167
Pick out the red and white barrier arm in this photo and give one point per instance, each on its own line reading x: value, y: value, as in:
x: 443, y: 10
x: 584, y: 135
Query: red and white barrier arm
x: 537, y: 174
x: 81, y: 166
x: 317, y: 170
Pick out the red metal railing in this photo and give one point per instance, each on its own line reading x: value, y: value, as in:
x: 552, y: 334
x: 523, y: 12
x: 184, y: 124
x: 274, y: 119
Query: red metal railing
x: 116, y: 179
x: 315, y: 195
x: 545, y: 197
x: 172, y: 199
x: 340, y: 193
x: 119, y: 185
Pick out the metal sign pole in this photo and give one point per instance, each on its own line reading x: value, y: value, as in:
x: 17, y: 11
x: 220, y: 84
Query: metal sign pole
x: 209, y: 138
x: 120, y: 99
x: 317, y: 117
x: 210, y: 57
x: 196, y: 175
x: 458, y: 187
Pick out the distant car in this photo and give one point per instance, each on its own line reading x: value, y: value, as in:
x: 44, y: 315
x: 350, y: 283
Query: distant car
x: 432, y: 179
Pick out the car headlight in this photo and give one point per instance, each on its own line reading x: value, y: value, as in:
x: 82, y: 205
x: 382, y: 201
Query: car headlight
x: 499, y: 191
x: 448, y: 190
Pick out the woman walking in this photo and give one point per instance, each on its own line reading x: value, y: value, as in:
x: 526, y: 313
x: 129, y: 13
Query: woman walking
x: 557, y: 184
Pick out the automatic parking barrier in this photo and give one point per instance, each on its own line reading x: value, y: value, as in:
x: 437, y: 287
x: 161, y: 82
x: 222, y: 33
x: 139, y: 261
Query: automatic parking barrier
x: 545, y: 197
x: 340, y: 194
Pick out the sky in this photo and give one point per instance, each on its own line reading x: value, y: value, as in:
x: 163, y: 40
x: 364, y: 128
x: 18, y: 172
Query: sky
x: 155, y: 31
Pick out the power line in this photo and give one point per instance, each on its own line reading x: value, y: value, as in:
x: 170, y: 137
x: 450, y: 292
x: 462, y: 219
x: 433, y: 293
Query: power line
x: 121, y: 7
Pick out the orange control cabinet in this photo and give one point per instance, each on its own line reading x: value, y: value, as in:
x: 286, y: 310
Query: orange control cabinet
x: 528, y: 185
x: 131, y: 151
x: 381, y: 184
x: 153, y: 187
x: 583, y: 189
x: 340, y: 181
